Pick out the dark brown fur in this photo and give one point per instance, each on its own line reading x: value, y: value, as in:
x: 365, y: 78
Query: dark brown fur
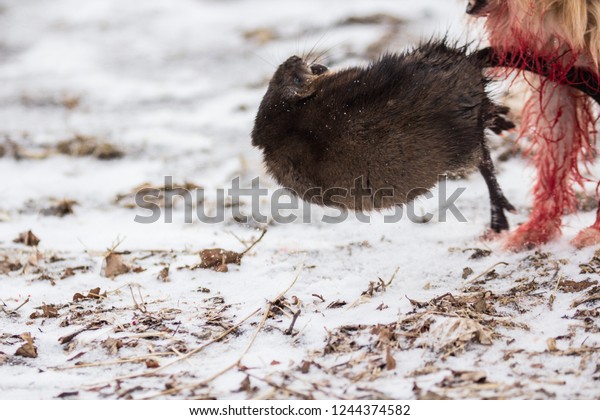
x: 396, y: 125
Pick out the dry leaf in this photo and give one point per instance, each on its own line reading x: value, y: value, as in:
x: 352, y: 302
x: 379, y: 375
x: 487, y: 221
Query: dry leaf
x: 164, y: 274
x: 152, y: 364
x: 27, y: 238
x: 67, y: 394
x: 450, y: 333
x: 112, y: 345
x: 81, y: 145
x: 480, y: 253
x: 551, y: 343
x: 305, y: 368
x: 217, y: 257
x: 48, y: 311
x: 93, y: 294
x: 113, y: 266
x: 570, y: 286
x: 336, y: 304
x: 77, y: 297
x: 246, y: 386
x: 28, y: 349
x: 60, y: 209
x: 477, y: 377
x: 261, y: 35
x: 7, y: 264
x: 390, y: 363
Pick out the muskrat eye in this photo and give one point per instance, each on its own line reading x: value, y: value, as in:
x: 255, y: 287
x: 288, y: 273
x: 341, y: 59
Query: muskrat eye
x: 318, y: 69
x: 297, y: 80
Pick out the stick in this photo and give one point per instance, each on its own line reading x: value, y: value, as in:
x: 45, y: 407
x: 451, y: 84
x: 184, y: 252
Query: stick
x: 185, y: 356
x: 489, y: 270
x: 255, y: 242
x: 246, y: 349
x: 112, y: 362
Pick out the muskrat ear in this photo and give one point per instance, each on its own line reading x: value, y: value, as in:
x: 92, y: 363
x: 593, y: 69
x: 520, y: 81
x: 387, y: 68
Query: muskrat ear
x: 476, y: 6
x: 318, y: 69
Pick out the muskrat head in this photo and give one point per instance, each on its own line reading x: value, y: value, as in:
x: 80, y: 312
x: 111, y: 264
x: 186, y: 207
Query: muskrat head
x: 294, y: 79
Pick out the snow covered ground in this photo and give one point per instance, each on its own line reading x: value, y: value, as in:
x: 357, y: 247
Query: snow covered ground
x: 100, y: 97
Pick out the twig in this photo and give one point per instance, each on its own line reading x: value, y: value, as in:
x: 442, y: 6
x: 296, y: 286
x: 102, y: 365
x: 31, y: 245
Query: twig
x: 393, y: 277
x: 185, y: 356
x: 294, y: 319
x: 255, y: 242
x: 246, y: 349
x: 281, y: 387
x: 489, y: 270
x: 112, y: 362
x: 553, y: 294
x: 13, y: 311
x: 116, y: 244
x: 142, y: 309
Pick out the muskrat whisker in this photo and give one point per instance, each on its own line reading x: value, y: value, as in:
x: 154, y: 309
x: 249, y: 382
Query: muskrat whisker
x: 264, y: 59
x: 319, y: 41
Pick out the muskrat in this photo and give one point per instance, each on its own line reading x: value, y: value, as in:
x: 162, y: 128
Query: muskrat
x: 395, y: 126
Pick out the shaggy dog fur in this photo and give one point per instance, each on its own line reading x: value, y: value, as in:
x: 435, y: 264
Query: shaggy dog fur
x: 559, y: 39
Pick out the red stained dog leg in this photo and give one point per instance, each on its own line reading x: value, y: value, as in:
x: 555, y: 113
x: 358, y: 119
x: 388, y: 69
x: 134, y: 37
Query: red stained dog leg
x: 589, y: 236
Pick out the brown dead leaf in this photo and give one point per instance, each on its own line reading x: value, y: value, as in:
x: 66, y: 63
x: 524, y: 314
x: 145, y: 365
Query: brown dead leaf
x: 305, y: 367
x: 374, y: 19
x: 93, y: 294
x: 27, y: 238
x: 164, y: 274
x: 112, y: 345
x: 245, y: 385
x: 478, y: 377
x: 78, y: 297
x: 453, y: 334
x: 81, y: 145
x: 28, y: 349
x: 48, y: 311
x: 221, y: 268
x: 551, y: 343
x: 152, y: 363
x: 337, y: 304
x: 261, y: 35
x: 67, y: 394
x: 570, y: 286
x: 463, y: 378
x: 8, y: 264
x: 69, y: 272
x: 390, y: 362
x: 216, y: 257
x: 114, y: 266
x: 3, y: 358
x: 480, y: 253
x: 61, y: 209
x: 467, y: 271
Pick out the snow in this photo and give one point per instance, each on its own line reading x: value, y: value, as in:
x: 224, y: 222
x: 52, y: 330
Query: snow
x: 176, y: 85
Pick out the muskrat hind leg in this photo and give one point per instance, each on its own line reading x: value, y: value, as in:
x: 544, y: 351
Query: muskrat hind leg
x: 498, y: 201
x: 500, y: 122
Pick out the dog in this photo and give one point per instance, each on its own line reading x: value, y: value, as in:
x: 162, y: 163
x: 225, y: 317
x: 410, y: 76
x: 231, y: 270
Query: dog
x: 560, y: 41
